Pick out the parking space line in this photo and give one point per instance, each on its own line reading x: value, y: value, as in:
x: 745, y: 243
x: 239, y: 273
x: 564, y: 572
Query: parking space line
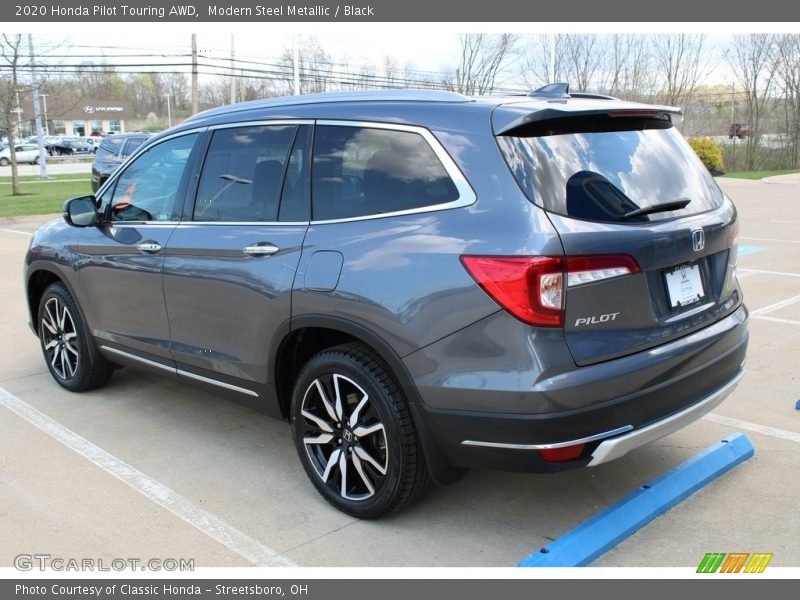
x: 16, y: 231
x: 758, y: 239
x: 754, y: 427
x: 762, y: 272
x: 777, y: 320
x: 598, y: 535
x: 219, y: 530
x: 789, y: 222
x: 776, y: 306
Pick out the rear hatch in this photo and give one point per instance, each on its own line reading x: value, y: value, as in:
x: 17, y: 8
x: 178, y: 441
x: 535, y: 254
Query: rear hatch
x: 649, y: 237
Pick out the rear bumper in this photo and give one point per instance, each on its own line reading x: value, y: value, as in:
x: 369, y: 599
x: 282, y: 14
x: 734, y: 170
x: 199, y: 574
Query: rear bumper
x: 619, y: 446
x: 661, y: 391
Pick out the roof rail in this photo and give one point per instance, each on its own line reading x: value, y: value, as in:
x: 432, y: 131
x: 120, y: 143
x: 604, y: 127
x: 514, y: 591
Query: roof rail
x: 389, y: 95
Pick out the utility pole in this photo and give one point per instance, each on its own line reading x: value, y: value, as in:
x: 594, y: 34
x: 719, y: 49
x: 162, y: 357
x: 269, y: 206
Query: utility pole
x: 44, y: 102
x: 37, y: 116
x: 169, y: 111
x: 296, y: 57
x: 233, y: 70
x: 195, y: 88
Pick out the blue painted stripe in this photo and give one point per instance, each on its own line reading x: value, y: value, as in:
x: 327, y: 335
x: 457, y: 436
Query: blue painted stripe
x: 744, y: 250
x: 602, y: 532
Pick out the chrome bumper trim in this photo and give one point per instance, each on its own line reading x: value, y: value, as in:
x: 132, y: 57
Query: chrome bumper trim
x: 620, y: 446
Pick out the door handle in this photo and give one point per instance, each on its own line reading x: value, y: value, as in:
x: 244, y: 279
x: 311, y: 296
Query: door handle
x: 150, y: 247
x: 260, y: 250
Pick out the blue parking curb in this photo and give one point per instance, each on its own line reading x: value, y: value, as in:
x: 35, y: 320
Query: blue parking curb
x: 745, y: 250
x: 602, y: 532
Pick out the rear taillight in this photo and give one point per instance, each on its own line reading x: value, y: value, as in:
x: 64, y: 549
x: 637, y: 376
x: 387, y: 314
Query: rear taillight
x: 532, y: 287
x: 529, y: 287
x: 588, y: 269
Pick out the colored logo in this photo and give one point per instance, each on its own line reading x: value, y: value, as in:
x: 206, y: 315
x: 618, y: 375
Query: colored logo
x: 734, y: 562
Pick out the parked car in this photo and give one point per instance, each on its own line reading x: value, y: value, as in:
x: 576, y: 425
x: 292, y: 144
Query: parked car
x: 70, y: 145
x: 739, y: 130
x: 25, y: 153
x: 112, y: 151
x: 419, y: 282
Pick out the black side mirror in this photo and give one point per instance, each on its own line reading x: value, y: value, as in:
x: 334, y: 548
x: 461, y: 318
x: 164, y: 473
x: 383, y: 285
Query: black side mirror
x: 81, y: 211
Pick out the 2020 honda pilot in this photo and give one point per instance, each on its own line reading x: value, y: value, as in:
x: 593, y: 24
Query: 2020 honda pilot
x: 420, y: 282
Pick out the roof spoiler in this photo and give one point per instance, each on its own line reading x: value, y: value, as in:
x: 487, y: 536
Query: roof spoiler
x: 551, y: 113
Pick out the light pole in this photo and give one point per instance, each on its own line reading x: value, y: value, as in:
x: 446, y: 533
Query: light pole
x: 44, y: 103
x: 169, y: 111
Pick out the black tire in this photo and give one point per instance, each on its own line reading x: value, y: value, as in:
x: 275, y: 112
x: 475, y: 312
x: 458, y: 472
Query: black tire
x: 4, y: 162
x: 65, y: 340
x: 380, y: 437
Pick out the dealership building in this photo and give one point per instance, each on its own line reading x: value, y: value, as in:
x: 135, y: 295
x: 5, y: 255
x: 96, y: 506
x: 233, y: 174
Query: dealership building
x: 80, y: 119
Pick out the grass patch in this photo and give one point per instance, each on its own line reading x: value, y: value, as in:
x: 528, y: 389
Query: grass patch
x: 6, y: 179
x: 41, y: 198
x: 759, y: 174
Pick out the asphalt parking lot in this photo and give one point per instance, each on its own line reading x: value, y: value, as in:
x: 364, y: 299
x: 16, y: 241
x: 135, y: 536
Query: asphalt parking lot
x: 157, y: 469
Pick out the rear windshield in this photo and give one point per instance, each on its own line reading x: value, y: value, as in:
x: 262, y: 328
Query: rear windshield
x: 606, y: 175
x: 109, y: 148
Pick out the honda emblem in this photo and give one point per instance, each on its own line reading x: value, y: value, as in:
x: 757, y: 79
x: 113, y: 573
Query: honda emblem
x: 698, y: 240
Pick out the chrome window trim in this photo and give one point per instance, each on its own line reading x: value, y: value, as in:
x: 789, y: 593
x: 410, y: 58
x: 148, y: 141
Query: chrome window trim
x: 141, y: 223
x: 260, y: 123
x: 466, y: 195
x: 586, y: 440
x: 187, y: 223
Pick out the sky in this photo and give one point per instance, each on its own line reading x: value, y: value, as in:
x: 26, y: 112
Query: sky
x: 424, y: 46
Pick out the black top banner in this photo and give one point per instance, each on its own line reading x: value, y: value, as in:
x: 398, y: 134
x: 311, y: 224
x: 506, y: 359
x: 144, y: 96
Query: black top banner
x: 453, y: 11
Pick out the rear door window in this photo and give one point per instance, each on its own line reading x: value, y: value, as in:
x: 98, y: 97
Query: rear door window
x: 359, y: 171
x: 606, y: 175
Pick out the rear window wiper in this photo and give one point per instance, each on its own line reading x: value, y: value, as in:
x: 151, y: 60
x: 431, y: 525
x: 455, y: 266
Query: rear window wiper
x: 656, y: 208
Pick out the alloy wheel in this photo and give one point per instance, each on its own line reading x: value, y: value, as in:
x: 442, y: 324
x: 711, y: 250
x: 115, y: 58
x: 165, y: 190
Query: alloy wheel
x: 60, y: 338
x: 343, y: 437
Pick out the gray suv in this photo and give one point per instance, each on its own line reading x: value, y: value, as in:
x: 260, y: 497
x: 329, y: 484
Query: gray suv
x: 420, y: 282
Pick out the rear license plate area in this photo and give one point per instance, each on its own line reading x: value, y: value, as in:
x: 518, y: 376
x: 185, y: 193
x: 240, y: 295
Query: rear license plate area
x: 684, y: 285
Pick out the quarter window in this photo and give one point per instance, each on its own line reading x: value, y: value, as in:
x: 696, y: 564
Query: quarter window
x: 243, y: 174
x: 149, y: 187
x: 360, y: 171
